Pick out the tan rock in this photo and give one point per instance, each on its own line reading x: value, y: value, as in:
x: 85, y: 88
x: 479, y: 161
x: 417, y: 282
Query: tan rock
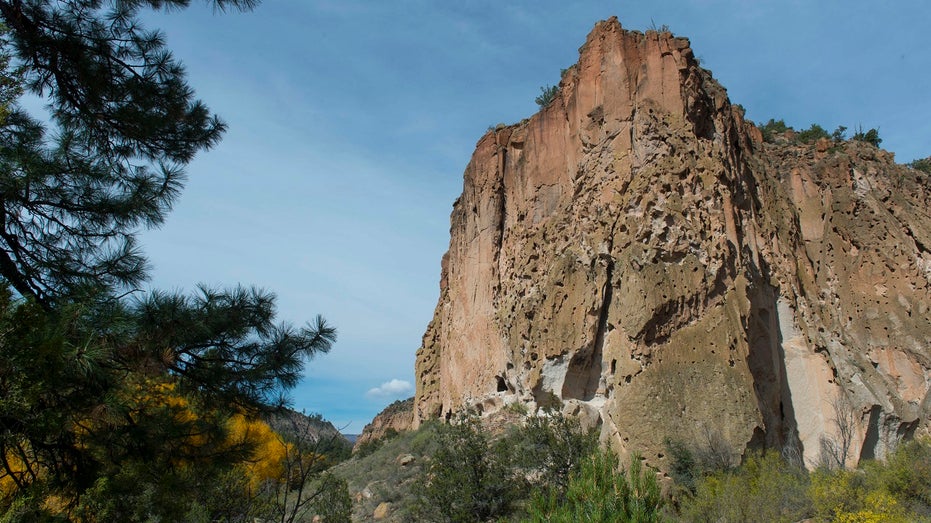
x: 396, y: 417
x: 636, y: 254
x: 381, y: 511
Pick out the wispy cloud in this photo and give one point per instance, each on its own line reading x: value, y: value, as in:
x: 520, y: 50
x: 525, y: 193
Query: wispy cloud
x: 391, y: 389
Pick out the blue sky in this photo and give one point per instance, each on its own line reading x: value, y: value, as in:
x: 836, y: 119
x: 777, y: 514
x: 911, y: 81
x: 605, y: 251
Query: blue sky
x: 351, y: 122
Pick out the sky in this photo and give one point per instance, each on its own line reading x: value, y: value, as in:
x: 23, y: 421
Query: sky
x: 351, y: 122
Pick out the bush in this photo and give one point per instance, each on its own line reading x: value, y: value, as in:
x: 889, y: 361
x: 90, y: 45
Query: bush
x: 29, y: 508
x: 332, y: 502
x: 765, y: 489
x: 135, y: 494
x: 871, y: 136
x: 773, y: 127
x: 547, y: 95
x: 475, y: 476
x: 839, y: 134
x: 812, y: 134
x: 844, y: 496
x: 470, y: 479
x: 683, y: 468
x: 597, y: 492
x: 388, y: 481
x: 550, y: 448
x: 906, y: 475
x: 769, y: 488
x: 923, y: 165
x: 897, y: 490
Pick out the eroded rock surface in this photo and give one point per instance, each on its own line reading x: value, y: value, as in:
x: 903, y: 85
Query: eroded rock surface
x: 635, y: 254
x: 397, y: 417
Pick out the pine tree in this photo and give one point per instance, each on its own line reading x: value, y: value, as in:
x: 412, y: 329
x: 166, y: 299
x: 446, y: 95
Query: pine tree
x: 125, y: 122
x: 113, y: 403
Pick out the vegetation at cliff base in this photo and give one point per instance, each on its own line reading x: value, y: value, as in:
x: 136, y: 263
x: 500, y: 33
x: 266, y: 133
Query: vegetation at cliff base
x: 541, y: 468
x: 547, y: 468
x: 600, y: 492
x: 769, y: 487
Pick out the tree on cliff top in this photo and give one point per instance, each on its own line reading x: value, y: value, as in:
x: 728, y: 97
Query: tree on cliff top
x: 87, y: 366
x: 547, y: 95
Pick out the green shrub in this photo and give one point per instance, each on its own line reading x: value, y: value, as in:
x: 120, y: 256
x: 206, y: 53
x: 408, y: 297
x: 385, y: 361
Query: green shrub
x: 897, y: 490
x: 844, y: 495
x: 923, y: 165
x: 547, y: 95
x: 812, y: 134
x: 476, y: 476
x: 550, y: 448
x: 769, y: 488
x: 332, y: 502
x: 29, y: 509
x: 839, y: 134
x: 765, y: 489
x: 773, y: 127
x: 871, y: 136
x: 388, y: 481
x: 597, y: 492
x: 140, y: 493
x: 683, y: 467
x: 906, y: 475
x: 471, y: 478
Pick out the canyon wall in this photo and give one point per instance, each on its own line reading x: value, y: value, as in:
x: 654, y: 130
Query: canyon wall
x: 636, y: 255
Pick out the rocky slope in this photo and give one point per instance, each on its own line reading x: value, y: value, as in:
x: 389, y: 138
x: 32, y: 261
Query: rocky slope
x: 635, y: 254
x: 310, y: 430
x: 397, y: 417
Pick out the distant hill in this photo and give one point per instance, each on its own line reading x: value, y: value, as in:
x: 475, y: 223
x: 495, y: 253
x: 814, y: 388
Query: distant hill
x: 311, y: 430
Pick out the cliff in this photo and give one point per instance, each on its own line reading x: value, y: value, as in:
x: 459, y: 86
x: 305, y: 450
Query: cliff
x: 636, y: 255
x: 394, y: 418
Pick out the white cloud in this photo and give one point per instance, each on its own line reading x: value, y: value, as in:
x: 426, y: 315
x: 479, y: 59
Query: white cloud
x: 391, y: 389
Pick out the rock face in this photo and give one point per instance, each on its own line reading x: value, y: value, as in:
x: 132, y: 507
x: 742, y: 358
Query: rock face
x: 397, y: 417
x: 635, y: 254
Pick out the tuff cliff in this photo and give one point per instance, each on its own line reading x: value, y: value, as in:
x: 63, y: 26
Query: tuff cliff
x: 394, y: 418
x: 636, y: 255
